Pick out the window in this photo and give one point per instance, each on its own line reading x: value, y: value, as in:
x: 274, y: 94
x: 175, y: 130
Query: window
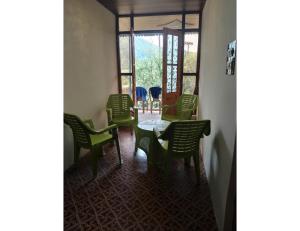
x: 126, y: 82
x: 148, y: 51
x: 172, y: 63
x: 124, y: 24
x: 188, y: 84
x: 191, y: 21
x: 157, y: 22
x: 125, y: 53
x: 190, y: 52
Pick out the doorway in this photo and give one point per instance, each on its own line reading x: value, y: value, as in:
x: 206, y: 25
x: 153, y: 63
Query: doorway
x: 148, y: 50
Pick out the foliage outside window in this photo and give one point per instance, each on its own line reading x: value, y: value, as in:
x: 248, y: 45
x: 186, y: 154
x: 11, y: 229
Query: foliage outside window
x: 148, y: 60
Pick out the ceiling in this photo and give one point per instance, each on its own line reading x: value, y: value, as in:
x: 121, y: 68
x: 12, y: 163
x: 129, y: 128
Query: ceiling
x: 121, y: 7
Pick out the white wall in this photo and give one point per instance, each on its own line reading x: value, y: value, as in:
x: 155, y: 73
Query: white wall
x: 90, y: 68
x: 218, y: 98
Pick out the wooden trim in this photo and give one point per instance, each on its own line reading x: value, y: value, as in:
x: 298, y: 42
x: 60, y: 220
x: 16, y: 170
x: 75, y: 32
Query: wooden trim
x: 157, y: 31
x: 132, y: 58
x: 118, y: 55
x: 108, y: 7
x: 191, y: 30
x: 161, y: 13
x: 129, y: 73
x: 164, y: 69
x: 180, y: 62
x: 196, y: 91
x: 182, y: 51
x: 189, y: 74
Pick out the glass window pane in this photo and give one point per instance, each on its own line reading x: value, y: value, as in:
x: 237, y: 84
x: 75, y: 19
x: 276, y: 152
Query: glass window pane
x: 175, y: 49
x: 174, y: 78
x: 169, y: 78
x: 124, y: 24
x: 190, y: 52
x: 126, y: 82
x: 125, y: 53
x: 191, y: 21
x: 169, y: 49
x: 157, y: 22
x: 189, y: 83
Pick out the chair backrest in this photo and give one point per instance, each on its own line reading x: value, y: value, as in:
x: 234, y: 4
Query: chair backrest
x: 155, y: 92
x: 120, y: 105
x: 80, y: 132
x: 141, y: 93
x: 184, y: 136
x: 186, y: 102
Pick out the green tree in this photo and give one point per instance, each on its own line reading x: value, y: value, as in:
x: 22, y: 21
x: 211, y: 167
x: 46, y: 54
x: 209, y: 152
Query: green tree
x: 149, y: 70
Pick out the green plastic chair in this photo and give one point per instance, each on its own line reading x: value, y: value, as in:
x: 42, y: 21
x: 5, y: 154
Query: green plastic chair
x: 118, y: 111
x: 87, y: 137
x: 185, y: 106
x: 181, y: 140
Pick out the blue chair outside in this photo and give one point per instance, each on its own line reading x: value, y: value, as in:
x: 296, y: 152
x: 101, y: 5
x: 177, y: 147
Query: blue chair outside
x: 141, y: 95
x: 154, y: 93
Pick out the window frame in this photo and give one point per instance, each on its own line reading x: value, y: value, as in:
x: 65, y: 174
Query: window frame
x: 183, y: 30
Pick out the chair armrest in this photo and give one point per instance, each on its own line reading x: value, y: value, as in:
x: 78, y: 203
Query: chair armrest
x: 90, y: 123
x: 162, y: 135
x: 112, y: 127
x: 109, y: 114
x: 156, y: 133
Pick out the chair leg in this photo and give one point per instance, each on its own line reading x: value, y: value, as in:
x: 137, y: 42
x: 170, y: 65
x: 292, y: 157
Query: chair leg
x: 131, y: 130
x: 167, y: 166
x: 137, y: 140
x: 95, y: 157
x: 159, y: 107
x: 100, y: 151
x: 151, y: 105
x: 143, y: 106
x: 76, y: 152
x: 187, y: 161
x: 197, y: 166
x: 136, y: 145
x: 118, y: 149
x: 135, y: 150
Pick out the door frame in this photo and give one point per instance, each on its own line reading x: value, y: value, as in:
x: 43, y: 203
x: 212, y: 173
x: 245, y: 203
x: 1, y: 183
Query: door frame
x: 174, y: 95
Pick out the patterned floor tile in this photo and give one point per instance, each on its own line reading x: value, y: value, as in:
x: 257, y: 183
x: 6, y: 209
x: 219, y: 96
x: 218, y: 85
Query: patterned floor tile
x: 134, y: 197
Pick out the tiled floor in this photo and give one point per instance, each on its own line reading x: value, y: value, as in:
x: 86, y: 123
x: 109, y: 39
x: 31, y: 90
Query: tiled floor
x: 133, y: 197
x: 148, y: 115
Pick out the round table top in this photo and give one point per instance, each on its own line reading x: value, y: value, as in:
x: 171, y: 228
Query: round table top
x: 148, y: 125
